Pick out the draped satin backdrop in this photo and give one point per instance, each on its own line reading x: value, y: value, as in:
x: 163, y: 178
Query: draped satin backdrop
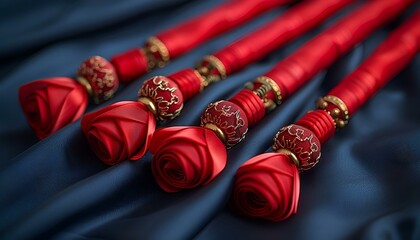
x: 365, y: 187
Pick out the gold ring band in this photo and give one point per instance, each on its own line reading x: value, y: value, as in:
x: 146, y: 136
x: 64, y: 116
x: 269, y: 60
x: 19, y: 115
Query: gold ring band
x: 293, y: 157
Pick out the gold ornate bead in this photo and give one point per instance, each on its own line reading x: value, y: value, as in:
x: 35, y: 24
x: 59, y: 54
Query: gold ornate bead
x: 321, y: 103
x: 273, y: 85
x: 338, y: 110
x: 217, y: 64
x: 340, y: 123
x: 335, y: 113
x: 153, y: 48
x: 249, y: 85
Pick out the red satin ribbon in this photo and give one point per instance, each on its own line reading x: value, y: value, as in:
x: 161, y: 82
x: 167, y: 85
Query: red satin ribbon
x: 185, y: 36
x: 294, y: 22
x: 384, y: 63
x: 294, y: 71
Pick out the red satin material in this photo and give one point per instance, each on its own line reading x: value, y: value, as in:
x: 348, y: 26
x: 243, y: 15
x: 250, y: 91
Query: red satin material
x: 52, y: 103
x: 119, y: 131
x: 385, y: 62
x: 320, y: 52
x: 320, y: 123
x: 186, y: 157
x: 130, y: 64
x: 188, y: 81
x: 212, y: 23
x: 266, y: 186
x: 283, y: 29
x: 250, y: 104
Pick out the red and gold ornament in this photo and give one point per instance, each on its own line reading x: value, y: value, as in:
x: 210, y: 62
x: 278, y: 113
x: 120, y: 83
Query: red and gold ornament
x: 270, y: 199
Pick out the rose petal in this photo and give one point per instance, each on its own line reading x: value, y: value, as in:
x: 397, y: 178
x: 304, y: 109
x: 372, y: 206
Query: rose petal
x: 267, y: 186
x: 126, y: 123
x: 106, y: 147
x: 150, y: 130
x: 177, y: 168
x: 189, y: 150
x: 44, y: 103
x: 217, y: 154
x: 161, y: 136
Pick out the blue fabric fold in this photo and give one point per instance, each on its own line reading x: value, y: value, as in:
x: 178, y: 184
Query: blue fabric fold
x: 365, y: 186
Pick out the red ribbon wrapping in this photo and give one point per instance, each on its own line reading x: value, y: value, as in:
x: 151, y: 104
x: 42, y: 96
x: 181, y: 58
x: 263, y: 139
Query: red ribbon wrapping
x: 171, y: 91
x: 294, y: 22
x: 268, y: 200
x: 294, y: 71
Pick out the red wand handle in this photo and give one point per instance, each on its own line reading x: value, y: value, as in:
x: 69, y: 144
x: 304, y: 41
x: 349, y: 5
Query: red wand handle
x: 267, y: 186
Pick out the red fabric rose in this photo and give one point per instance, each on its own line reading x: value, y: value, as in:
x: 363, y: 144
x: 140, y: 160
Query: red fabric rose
x: 186, y: 157
x: 267, y: 186
x: 52, y: 103
x: 119, y: 131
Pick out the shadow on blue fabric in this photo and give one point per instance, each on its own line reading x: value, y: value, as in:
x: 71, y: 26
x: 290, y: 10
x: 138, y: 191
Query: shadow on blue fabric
x: 366, y: 186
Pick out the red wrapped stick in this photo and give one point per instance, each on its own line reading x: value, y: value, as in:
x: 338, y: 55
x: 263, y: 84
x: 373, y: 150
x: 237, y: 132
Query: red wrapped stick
x: 175, y: 169
x: 163, y: 97
x: 267, y: 186
x: 52, y: 103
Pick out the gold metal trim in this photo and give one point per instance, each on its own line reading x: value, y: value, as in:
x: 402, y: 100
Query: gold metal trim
x: 150, y: 63
x: 156, y: 45
x: 149, y: 104
x: 335, y: 113
x: 217, y: 130
x: 216, y: 63
x: 202, y: 80
x: 295, y: 160
x: 273, y: 85
x: 85, y: 83
x: 207, y: 76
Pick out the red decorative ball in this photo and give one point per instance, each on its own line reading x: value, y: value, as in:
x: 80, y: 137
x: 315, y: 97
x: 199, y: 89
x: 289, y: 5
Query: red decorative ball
x: 228, y: 118
x: 99, y: 78
x: 302, y: 142
x: 166, y: 96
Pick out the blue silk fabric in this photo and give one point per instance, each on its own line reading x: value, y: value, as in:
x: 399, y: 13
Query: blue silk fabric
x: 366, y: 185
